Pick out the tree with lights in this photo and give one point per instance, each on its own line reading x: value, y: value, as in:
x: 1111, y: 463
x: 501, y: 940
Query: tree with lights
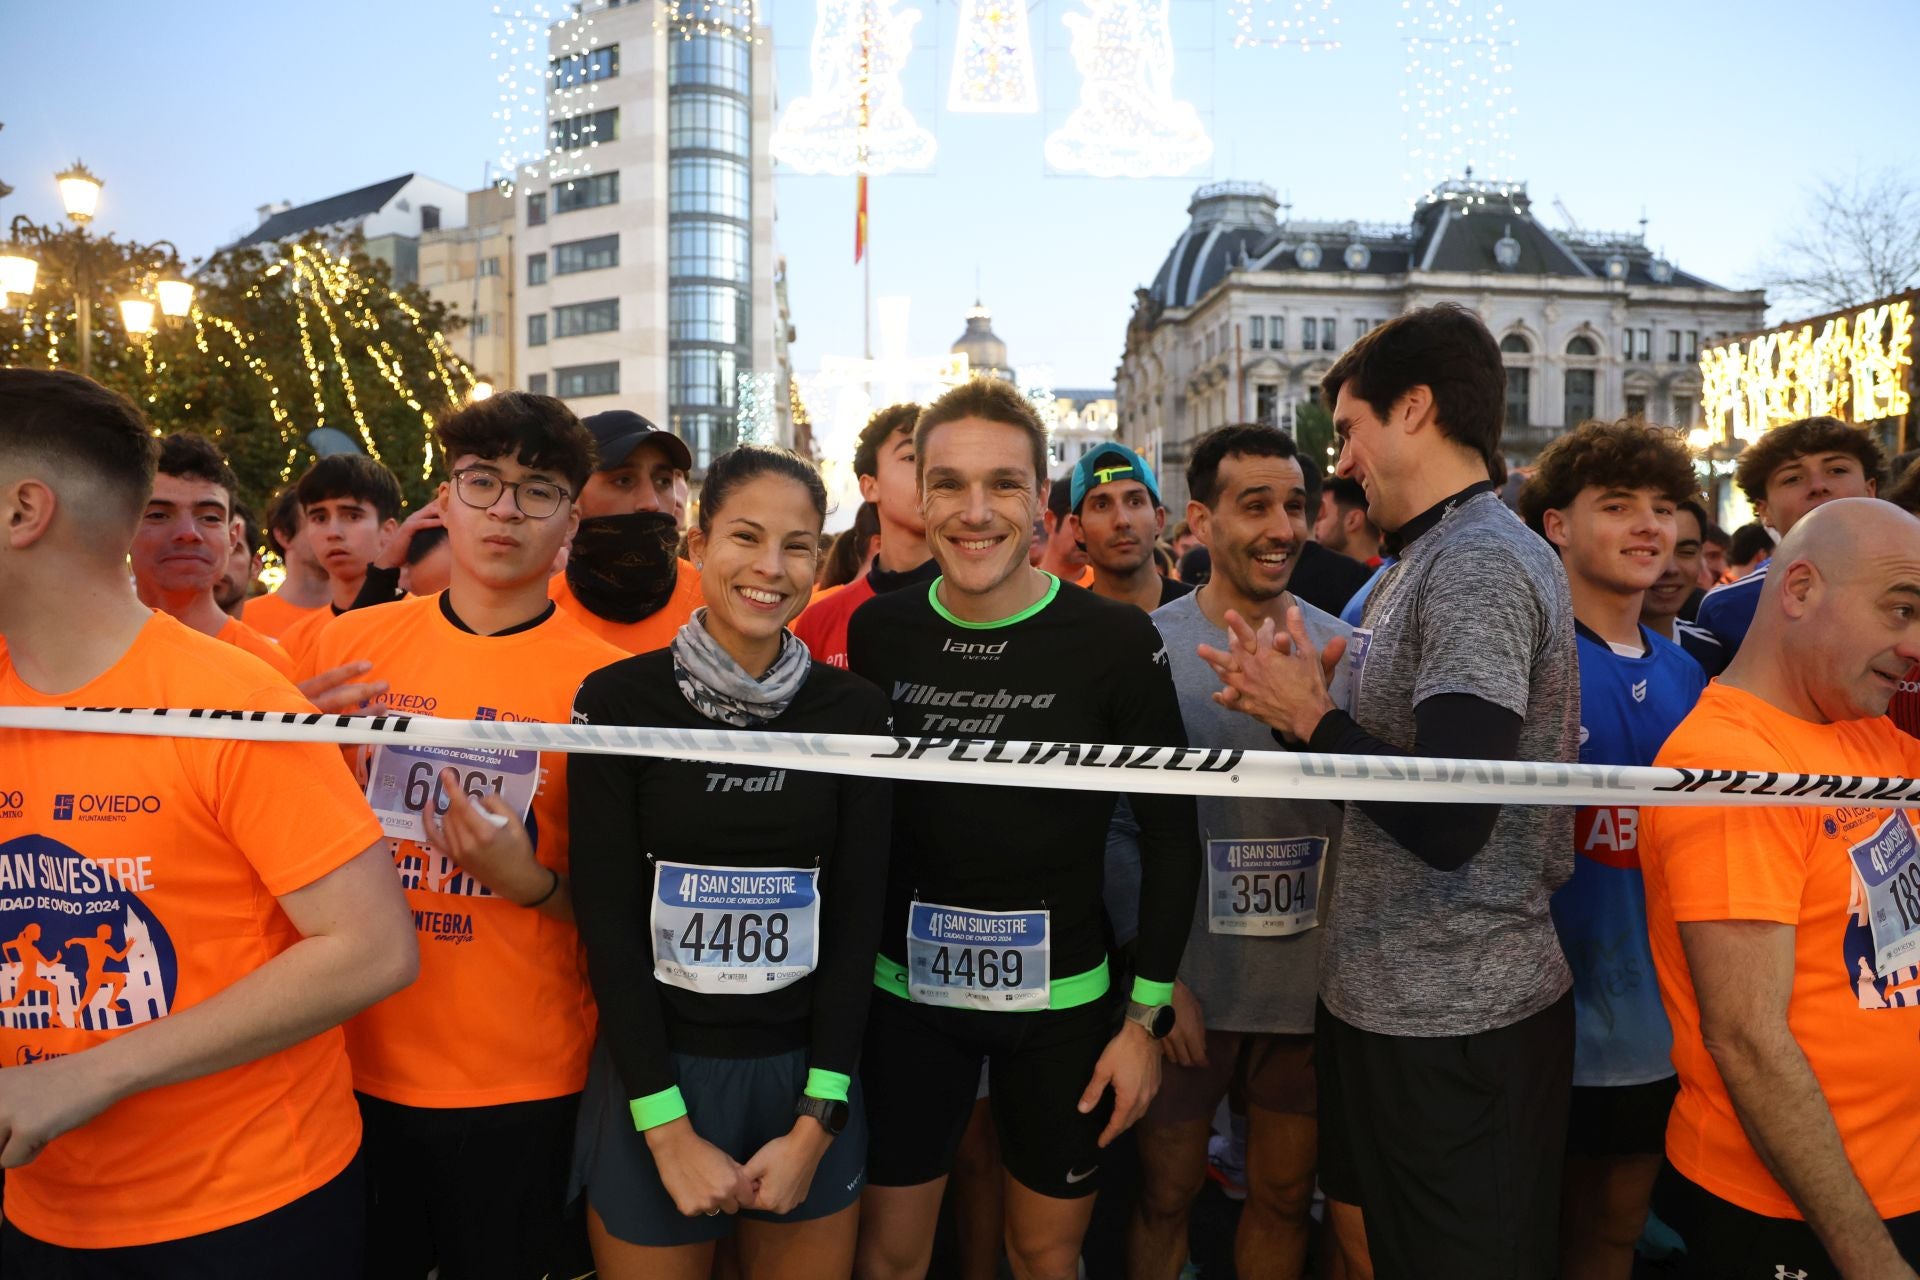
x: 281, y: 340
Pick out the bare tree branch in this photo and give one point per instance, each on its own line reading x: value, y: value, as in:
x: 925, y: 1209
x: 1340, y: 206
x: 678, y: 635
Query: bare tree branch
x: 1856, y: 240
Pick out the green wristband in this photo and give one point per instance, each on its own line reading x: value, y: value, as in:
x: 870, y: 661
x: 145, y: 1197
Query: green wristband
x: 828, y: 1086
x: 659, y: 1108
x: 1156, y: 993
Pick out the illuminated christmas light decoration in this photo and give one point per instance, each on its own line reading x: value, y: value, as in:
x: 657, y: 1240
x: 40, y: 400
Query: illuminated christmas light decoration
x: 1300, y: 24
x: 1855, y: 366
x: 689, y: 18
x: 854, y: 117
x: 1128, y: 123
x: 755, y: 423
x: 545, y: 74
x: 993, y: 60
x: 1456, y: 101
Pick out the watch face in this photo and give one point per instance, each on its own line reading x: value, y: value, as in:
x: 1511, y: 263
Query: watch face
x: 836, y: 1117
x: 1162, y: 1022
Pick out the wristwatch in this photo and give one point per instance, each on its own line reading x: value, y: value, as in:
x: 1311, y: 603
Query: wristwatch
x: 831, y: 1114
x: 1154, y: 1019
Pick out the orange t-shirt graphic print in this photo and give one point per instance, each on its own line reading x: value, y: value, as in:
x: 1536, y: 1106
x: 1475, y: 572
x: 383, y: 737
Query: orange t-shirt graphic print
x: 501, y: 1011
x: 138, y: 878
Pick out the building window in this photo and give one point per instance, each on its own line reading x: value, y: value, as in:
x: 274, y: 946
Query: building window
x: 1683, y: 411
x: 709, y: 184
x: 536, y: 208
x: 587, y: 193
x: 1516, y: 344
x: 1580, y: 345
x: 707, y: 313
x: 1637, y: 405
x: 537, y: 384
x: 584, y: 68
x: 587, y: 380
x: 490, y: 266
x: 702, y: 120
x: 586, y: 255
x: 1309, y: 334
x: 481, y: 324
x: 1257, y: 333
x: 1519, y: 398
x: 1693, y: 344
x: 1277, y: 332
x: 713, y: 249
x: 1266, y: 404
x: 578, y: 318
x: 1360, y: 328
x: 1673, y: 345
x: 1207, y: 348
x: 536, y: 268
x: 699, y: 377
x: 537, y: 330
x: 1328, y: 342
x: 1579, y: 406
x: 429, y: 217
x: 720, y: 61
x: 586, y: 130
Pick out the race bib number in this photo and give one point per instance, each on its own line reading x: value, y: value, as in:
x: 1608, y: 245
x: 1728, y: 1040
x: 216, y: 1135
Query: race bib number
x: 403, y: 782
x: 1357, y: 645
x: 1267, y: 887
x: 971, y: 959
x: 1888, y: 864
x: 733, y: 931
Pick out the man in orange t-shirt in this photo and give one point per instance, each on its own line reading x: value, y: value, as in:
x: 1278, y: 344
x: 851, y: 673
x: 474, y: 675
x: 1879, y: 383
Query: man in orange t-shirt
x: 470, y: 1079
x: 622, y: 580
x: 305, y: 587
x: 1787, y: 939
x: 185, y: 539
x: 185, y: 922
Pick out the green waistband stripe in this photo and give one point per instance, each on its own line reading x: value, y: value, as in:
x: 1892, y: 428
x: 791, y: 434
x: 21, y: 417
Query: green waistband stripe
x: 1062, y: 993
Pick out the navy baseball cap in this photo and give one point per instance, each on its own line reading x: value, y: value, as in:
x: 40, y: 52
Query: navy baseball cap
x: 618, y: 432
x: 1106, y: 463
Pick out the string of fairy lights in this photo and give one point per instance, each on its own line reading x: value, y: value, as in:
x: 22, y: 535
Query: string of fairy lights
x: 1456, y: 94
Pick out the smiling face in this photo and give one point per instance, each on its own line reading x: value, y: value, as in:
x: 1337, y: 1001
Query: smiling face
x: 1615, y: 540
x: 1862, y: 632
x: 184, y: 537
x: 757, y: 556
x: 978, y: 496
x: 1670, y: 592
x: 1256, y: 526
x: 1369, y: 454
x: 1118, y: 524
x: 1800, y: 484
x: 500, y: 547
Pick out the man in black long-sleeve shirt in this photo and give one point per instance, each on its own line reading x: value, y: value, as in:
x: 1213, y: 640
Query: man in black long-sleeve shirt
x: 1445, y: 1036
x: 994, y: 941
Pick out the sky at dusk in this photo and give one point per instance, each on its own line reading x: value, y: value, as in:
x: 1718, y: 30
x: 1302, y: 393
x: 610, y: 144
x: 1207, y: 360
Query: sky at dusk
x: 1710, y: 117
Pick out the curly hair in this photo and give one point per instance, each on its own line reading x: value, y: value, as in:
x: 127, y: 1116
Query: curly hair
x: 1759, y: 460
x: 1627, y: 454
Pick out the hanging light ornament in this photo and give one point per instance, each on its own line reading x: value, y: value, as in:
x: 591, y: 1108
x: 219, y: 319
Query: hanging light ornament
x: 854, y: 117
x: 1298, y: 24
x: 548, y: 69
x: 1128, y: 123
x: 1457, y: 100
x: 993, y: 60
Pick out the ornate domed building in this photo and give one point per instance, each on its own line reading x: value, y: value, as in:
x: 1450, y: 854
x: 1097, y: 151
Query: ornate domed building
x: 986, y: 354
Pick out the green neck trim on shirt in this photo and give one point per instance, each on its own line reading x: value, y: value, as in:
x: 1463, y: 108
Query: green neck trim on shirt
x: 1069, y: 992
x: 933, y: 598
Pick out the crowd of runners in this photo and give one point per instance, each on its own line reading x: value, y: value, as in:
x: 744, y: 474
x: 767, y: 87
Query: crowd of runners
x: 271, y: 1008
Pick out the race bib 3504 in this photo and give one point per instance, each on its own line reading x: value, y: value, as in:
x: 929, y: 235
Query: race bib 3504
x: 970, y: 959
x: 1269, y: 887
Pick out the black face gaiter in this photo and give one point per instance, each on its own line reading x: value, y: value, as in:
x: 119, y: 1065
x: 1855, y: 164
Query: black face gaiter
x: 622, y: 568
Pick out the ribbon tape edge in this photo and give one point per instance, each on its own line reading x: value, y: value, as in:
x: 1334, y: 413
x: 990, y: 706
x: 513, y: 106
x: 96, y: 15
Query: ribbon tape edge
x: 1057, y: 765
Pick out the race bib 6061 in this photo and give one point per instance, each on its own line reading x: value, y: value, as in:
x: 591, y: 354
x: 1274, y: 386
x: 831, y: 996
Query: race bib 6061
x: 403, y: 782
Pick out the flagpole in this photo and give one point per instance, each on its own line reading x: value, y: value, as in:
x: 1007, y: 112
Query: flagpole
x: 863, y: 249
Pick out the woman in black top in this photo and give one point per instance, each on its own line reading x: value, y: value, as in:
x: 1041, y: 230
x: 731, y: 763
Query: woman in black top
x: 730, y: 916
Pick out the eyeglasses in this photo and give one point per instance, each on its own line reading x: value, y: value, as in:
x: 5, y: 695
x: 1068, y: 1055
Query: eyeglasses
x: 536, y: 499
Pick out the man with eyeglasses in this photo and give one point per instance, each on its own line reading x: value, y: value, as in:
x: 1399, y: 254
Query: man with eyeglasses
x: 469, y: 1080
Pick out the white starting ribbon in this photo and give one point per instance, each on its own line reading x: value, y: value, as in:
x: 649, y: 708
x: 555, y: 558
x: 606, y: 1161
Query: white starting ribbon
x: 1070, y: 766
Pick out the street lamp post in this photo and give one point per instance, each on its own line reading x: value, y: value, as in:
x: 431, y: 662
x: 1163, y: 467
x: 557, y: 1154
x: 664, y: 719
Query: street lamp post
x: 86, y: 261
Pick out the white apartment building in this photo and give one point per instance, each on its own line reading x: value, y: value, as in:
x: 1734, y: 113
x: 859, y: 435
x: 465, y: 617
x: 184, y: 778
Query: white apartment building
x: 646, y: 274
x: 1251, y: 308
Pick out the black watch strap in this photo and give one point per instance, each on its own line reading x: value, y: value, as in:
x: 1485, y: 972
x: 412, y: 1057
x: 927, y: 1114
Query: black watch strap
x: 831, y: 1113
